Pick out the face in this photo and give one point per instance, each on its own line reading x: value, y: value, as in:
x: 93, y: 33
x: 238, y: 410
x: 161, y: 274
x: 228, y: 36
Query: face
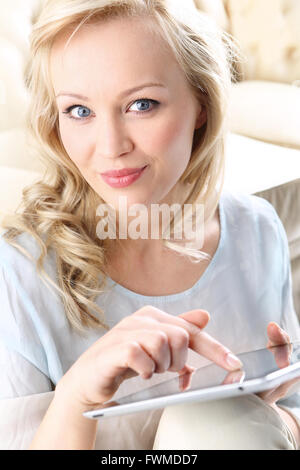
x: 109, y: 128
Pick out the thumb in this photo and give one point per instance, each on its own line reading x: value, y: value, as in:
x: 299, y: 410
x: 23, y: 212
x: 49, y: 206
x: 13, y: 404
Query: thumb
x: 198, y: 317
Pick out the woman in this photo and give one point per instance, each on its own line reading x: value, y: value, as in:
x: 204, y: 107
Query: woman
x: 152, y: 296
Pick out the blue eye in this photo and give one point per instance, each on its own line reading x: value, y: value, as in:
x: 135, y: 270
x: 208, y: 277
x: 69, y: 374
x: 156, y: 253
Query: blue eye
x: 84, y: 112
x: 145, y: 100
x: 82, y: 116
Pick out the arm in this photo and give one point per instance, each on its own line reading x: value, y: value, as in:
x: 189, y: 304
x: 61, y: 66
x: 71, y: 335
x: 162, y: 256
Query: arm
x: 24, y: 401
x: 64, y: 427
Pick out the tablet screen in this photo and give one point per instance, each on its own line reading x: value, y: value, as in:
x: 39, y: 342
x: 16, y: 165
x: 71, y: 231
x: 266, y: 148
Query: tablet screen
x: 256, y: 365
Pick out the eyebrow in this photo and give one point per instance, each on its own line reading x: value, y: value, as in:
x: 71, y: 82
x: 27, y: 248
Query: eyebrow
x: 123, y: 94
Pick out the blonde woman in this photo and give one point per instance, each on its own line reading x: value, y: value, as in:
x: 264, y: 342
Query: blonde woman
x: 130, y: 85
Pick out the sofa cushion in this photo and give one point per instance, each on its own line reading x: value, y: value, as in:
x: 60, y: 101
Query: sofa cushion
x: 267, y: 111
x: 286, y: 201
x: 14, y: 99
x: 12, y: 182
x: 269, y: 34
x: 216, y: 10
x: 15, y: 151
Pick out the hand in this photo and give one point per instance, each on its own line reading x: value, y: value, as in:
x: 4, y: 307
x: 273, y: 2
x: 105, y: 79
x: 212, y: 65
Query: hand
x: 277, y: 336
x: 148, y: 341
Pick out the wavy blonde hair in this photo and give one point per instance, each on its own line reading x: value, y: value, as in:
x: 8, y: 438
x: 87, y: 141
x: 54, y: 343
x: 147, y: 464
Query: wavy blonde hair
x: 59, y: 211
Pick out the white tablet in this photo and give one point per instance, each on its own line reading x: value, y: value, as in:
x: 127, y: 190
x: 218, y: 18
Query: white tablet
x: 260, y: 372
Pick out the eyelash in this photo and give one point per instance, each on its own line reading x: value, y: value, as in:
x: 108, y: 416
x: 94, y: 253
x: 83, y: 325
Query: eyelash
x: 70, y: 108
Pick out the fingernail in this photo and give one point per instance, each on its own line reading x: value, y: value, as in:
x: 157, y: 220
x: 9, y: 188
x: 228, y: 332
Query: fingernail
x: 233, y: 361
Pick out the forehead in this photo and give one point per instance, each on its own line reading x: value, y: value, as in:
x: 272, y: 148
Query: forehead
x: 113, y: 54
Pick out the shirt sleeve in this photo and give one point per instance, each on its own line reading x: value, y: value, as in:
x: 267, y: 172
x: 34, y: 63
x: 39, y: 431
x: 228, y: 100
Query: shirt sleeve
x: 20, y: 324
x: 289, y: 321
x: 26, y: 391
x: 19, y: 377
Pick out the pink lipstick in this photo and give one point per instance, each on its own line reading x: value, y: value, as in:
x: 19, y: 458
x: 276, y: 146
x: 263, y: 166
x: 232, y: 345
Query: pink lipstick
x: 122, y: 178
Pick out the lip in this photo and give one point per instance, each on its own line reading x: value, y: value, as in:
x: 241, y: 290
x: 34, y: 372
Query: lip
x: 125, y: 180
x: 122, y: 172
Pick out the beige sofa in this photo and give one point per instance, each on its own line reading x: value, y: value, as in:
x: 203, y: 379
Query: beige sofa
x: 262, y: 153
x: 263, y: 148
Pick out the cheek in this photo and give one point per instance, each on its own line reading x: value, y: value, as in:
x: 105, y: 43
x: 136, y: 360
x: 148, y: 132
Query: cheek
x: 174, y: 139
x: 169, y: 140
x: 75, y: 143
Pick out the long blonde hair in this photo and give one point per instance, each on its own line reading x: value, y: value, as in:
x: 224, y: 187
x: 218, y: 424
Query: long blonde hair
x: 59, y: 211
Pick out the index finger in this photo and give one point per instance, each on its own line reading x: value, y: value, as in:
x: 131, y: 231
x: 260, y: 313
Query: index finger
x: 213, y: 350
x: 205, y: 344
x: 200, y: 342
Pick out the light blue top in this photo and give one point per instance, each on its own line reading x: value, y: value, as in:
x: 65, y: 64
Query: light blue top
x: 246, y: 285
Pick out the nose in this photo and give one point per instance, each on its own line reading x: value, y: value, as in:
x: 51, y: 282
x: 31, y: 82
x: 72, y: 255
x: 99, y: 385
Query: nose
x: 112, y: 139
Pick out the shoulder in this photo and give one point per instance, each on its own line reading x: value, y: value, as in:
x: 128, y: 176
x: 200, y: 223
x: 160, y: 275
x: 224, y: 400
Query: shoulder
x: 10, y: 252
x: 256, y: 211
x: 248, y: 205
x: 253, y: 221
x: 19, y: 263
x: 28, y: 248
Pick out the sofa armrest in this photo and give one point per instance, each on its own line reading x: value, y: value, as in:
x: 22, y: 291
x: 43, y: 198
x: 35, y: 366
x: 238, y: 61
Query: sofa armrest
x: 266, y: 111
x: 253, y: 165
